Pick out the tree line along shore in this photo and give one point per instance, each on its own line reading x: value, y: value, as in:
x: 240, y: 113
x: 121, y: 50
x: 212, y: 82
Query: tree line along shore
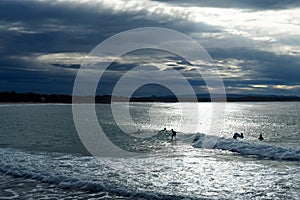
x: 29, y: 97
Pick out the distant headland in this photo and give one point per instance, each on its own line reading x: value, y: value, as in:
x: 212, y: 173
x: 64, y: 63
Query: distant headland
x: 29, y: 97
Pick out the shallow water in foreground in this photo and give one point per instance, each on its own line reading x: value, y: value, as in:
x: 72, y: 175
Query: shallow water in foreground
x: 42, y: 156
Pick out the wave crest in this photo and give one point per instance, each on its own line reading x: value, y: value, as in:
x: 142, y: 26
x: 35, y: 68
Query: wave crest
x: 249, y: 148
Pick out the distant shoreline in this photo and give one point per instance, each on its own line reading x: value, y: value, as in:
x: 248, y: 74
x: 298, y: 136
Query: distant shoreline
x: 34, y: 98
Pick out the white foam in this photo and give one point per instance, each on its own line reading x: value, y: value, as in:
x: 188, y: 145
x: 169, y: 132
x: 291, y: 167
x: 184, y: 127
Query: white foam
x: 250, y: 148
x: 44, y: 168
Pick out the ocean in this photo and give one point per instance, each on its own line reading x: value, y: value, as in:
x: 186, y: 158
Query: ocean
x: 43, y: 157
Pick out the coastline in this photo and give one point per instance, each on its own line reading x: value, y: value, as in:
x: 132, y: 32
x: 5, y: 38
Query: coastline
x: 35, y: 98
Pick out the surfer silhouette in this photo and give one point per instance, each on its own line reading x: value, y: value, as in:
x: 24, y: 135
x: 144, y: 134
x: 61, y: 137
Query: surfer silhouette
x: 173, y: 135
x: 165, y: 129
x: 260, y: 137
x: 236, y: 135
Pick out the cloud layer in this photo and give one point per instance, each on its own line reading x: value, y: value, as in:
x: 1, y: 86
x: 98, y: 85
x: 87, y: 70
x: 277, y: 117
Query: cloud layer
x: 255, y: 43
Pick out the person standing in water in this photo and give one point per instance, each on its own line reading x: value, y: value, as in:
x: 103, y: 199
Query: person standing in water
x: 261, y: 137
x: 173, y: 134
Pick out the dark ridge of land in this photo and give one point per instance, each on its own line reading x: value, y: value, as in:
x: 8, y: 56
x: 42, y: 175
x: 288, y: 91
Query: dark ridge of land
x: 13, y: 97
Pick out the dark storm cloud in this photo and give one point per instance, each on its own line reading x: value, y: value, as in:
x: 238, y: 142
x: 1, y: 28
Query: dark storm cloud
x: 42, y: 27
x: 33, y: 29
x: 56, y: 27
x: 72, y: 66
x: 248, y: 4
x: 21, y: 80
x: 30, y: 27
x: 63, y: 27
x: 263, y: 65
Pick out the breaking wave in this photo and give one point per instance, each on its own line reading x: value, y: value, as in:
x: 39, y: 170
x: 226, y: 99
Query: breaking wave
x: 250, y: 148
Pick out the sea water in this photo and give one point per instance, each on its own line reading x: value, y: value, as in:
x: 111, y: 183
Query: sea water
x: 42, y: 156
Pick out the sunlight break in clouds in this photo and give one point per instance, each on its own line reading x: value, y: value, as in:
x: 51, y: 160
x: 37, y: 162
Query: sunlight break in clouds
x: 270, y: 27
x: 253, y: 43
x: 275, y: 31
x: 286, y: 87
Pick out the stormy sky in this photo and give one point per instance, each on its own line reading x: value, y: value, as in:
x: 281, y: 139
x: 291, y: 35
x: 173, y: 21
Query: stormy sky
x: 255, y: 44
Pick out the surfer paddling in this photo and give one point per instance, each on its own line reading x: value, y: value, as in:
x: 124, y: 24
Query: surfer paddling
x: 236, y: 135
x: 163, y: 130
x: 260, y: 137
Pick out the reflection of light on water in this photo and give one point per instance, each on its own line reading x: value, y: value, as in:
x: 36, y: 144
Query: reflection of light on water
x: 240, y: 117
x: 183, y: 171
x: 198, y: 173
x: 183, y: 117
x: 169, y: 117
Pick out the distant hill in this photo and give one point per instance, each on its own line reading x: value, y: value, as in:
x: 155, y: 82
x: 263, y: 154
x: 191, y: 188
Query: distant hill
x: 13, y: 97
